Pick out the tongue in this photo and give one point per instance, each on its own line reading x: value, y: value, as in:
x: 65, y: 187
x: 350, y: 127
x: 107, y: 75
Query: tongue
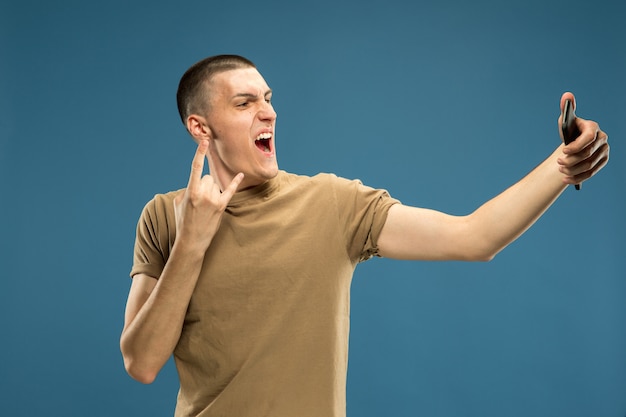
x: 263, y: 145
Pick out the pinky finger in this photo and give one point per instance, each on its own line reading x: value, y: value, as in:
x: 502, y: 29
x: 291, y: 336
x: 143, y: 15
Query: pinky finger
x: 228, y: 193
x: 591, y: 165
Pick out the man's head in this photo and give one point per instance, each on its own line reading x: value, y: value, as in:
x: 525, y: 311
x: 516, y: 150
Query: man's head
x: 193, y: 95
x: 225, y: 101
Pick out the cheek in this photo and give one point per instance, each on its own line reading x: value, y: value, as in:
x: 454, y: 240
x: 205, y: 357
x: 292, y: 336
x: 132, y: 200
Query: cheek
x: 231, y: 152
x: 230, y: 139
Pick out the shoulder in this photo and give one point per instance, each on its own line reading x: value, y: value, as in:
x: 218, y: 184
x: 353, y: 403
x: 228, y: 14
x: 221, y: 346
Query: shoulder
x: 321, y: 179
x: 165, y: 198
x: 332, y: 183
x: 161, y: 205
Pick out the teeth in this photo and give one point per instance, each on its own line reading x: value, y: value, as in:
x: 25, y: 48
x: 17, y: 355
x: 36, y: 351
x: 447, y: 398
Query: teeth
x: 264, y: 136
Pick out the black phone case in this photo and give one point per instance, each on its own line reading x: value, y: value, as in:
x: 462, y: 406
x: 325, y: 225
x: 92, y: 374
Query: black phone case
x: 568, y: 126
x: 570, y: 131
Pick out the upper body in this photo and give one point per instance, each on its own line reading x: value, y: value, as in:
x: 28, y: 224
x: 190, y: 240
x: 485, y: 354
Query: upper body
x: 266, y: 329
x: 229, y: 114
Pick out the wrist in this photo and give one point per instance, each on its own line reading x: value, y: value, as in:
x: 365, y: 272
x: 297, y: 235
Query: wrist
x: 190, y: 249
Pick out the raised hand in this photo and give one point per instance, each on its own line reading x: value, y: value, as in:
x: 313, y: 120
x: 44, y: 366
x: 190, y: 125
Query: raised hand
x: 586, y: 155
x: 200, y: 208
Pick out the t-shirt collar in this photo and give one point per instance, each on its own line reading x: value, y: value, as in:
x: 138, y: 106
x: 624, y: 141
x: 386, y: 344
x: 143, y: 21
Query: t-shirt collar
x: 264, y: 190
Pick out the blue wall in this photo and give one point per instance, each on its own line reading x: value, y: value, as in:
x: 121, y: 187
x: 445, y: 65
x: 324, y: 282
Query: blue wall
x: 443, y: 103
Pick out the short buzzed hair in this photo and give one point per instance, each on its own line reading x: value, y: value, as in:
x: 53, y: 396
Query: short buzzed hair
x: 193, y: 95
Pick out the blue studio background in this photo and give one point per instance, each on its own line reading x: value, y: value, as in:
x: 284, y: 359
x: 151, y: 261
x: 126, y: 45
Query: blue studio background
x: 443, y: 103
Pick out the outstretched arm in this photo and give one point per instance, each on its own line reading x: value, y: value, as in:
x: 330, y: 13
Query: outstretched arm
x: 155, y: 309
x: 416, y: 233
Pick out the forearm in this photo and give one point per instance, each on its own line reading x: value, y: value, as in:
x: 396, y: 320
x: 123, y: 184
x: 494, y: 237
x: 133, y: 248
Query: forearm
x: 150, y: 336
x: 155, y: 312
x: 504, y: 218
x: 418, y: 233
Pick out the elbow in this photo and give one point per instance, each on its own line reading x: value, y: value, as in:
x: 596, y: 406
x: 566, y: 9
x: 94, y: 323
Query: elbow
x: 482, y: 255
x: 137, y: 370
x: 484, y: 249
x: 138, y: 373
x: 144, y: 378
x: 486, y: 257
x: 477, y: 257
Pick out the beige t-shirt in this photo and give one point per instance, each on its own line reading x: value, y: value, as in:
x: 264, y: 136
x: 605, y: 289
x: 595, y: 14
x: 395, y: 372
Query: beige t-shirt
x: 266, y: 331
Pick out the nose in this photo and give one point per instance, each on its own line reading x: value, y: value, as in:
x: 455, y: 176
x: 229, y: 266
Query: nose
x: 267, y: 112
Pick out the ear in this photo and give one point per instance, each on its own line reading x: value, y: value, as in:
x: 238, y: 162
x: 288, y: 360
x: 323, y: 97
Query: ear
x: 198, y: 128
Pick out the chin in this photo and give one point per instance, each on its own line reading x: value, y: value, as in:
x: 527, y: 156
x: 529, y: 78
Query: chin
x: 272, y: 173
x: 260, y: 176
x: 271, y: 170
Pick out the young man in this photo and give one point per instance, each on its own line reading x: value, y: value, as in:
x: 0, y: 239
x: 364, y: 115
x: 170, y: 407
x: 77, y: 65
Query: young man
x: 244, y: 275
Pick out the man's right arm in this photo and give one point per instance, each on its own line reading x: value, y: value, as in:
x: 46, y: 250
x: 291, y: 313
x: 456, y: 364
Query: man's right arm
x: 156, y: 309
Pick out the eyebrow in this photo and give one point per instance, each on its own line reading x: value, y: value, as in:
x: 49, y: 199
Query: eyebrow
x: 250, y: 96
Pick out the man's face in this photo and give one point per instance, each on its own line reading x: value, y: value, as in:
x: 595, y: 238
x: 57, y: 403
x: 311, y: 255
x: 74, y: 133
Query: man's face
x: 241, y: 122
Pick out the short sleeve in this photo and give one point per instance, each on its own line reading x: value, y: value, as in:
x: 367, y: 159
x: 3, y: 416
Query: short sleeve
x: 154, y: 237
x: 363, y: 210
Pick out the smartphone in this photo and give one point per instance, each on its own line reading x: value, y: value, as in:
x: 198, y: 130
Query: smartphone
x: 568, y: 126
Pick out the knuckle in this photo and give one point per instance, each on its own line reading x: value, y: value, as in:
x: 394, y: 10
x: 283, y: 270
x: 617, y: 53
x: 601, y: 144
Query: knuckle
x: 196, y: 164
x: 194, y: 195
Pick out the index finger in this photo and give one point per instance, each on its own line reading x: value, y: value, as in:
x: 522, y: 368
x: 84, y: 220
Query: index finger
x: 197, y: 164
x: 586, y: 136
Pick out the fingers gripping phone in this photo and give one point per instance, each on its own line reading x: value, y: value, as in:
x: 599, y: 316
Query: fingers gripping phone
x: 568, y: 126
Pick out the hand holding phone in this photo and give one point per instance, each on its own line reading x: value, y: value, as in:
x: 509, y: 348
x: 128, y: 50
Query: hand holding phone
x: 568, y: 125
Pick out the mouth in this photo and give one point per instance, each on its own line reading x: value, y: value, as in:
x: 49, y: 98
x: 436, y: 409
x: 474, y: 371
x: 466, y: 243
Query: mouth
x: 264, y: 142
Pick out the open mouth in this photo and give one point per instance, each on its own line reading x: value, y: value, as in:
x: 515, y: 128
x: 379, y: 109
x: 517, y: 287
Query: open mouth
x: 263, y: 142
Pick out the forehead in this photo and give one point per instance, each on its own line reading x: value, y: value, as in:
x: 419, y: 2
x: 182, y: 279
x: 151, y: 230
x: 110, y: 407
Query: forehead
x: 243, y: 80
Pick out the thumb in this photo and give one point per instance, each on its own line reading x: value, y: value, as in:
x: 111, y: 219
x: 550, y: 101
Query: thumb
x: 568, y: 96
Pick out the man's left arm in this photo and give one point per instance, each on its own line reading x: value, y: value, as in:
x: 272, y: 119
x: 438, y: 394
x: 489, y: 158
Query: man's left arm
x: 417, y: 233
